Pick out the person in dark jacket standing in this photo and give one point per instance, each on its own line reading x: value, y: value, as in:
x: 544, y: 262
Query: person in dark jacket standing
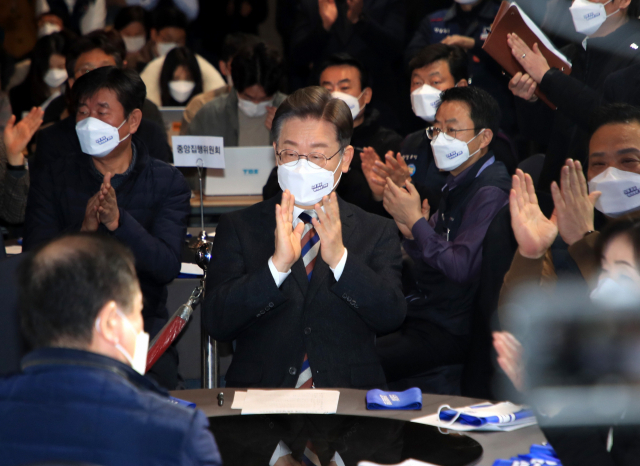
x: 446, y: 246
x: 112, y: 186
x: 612, y: 43
x: 80, y: 396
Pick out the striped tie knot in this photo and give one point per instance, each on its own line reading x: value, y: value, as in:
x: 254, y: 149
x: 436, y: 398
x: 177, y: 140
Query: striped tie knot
x: 306, y: 216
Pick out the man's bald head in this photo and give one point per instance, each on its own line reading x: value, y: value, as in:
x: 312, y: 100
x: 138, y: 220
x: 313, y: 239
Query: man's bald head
x: 64, y: 284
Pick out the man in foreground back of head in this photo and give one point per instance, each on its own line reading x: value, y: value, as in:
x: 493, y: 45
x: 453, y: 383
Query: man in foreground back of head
x: 81, y: 395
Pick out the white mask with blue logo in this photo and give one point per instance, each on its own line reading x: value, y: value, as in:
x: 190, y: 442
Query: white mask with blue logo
x: 620, y: 191
x: 307, y: 182
x: 449, y: 153
x: 589, y: 16
x: 98, y: 138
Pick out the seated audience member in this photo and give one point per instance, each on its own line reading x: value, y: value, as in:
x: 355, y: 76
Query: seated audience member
x: 56, y: 141
x: 47, y: 74
x: 80, y: 16
x: 80, y: 308
x: 434, y: 69
x: 233, y: 43
x: 467, y: 24
x: 243, y: 116
x: 346, y: 78
x: 611, y: 45
x: 446, y: 246
x: 169, y: 31
x: 14, y: 178
x: 323, y: 275
x: 131, y: 23
x: 180, y: 78
x: 113, y: 186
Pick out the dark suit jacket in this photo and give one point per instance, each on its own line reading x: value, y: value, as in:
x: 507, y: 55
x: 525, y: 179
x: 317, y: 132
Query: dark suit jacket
x: 335, y: 323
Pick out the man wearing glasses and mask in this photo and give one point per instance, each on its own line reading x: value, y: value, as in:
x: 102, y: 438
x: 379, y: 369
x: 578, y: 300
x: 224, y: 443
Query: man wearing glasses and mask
x: 445, y: 241
x: 303, y: 282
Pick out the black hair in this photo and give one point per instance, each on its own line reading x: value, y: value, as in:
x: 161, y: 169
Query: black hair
x: 179, y: 56
x: 128, y: 15
x: 484, y: 111
x: 259, y: 64
x: 613, y: 113
x: 127, y: 85
x: 315, y: 102
x: 627, y: 225
x: 235, y: 42
x: 344, y: 59
x: 633, y: 11
x: 64, y: 284
x: 166, y: 17
x: 95, y: 40
x: 44, y: 48
x: 455, y: 57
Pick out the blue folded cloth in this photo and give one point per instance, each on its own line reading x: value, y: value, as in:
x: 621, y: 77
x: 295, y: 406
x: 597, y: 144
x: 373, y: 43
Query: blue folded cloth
x: 409, y: 399
x: 539, y: 455
x: 180, y: 402
x: 477, y: 421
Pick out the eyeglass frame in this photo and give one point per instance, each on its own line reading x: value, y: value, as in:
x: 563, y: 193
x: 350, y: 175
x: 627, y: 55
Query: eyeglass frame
x: 432, y: 128
x: 307, y: 156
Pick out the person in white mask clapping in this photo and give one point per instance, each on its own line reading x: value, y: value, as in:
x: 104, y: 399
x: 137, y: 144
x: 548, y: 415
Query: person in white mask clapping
x: 243, y: 116
x: 303, y: 282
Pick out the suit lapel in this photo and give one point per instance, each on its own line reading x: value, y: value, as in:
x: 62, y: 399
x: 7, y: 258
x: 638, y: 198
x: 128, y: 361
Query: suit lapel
x: 321, y: 270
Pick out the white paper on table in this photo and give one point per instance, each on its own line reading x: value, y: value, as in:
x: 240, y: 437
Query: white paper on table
x: 409, y: 462
x: 191, y: 269
x: 540, y: 35
x: 291, y: 402
x: 198, y: 151
x: 13, y: 250
x: 238, y: 400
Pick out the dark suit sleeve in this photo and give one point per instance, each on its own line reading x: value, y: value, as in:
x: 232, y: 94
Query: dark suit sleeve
x: 200, y: 447
x: 374, y: 290
x: 157, y: 252
x: 235, y: 297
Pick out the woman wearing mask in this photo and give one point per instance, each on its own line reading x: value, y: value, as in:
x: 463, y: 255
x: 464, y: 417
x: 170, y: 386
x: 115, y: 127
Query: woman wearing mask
x: 180, y: 78
x: 131, y: 23
x: 46, y: 76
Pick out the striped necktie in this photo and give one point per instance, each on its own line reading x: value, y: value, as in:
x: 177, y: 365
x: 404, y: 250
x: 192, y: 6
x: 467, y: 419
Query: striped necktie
x: 310, y: 245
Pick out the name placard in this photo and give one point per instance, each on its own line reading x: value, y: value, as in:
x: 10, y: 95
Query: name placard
x: 198, y: 151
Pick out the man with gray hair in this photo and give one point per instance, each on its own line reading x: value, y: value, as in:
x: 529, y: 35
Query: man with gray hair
x: 303, y: 282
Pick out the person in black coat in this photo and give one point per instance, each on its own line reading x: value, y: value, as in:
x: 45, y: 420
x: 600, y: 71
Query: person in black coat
x: 304, y: 303
x: 124, y: 193
x: 347, y: 78
x: 613, y: 47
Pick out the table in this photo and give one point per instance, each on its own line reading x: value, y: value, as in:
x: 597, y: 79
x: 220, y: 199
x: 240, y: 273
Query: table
x: 352, y: 402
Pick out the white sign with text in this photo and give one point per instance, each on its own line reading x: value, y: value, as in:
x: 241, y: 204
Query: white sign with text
x: 198, y: 151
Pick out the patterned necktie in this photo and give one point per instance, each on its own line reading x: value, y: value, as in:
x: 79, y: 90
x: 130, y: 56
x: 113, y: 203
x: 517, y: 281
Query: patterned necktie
x: 310, y: 245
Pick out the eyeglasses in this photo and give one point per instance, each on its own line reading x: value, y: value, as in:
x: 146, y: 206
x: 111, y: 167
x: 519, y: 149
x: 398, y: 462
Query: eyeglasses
x: 315, y: 159
x: 433, y: 132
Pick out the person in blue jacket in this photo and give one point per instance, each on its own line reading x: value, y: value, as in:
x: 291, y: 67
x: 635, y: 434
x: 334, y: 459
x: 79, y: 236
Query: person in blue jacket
x: 111, y: 185
x: 81, y: 397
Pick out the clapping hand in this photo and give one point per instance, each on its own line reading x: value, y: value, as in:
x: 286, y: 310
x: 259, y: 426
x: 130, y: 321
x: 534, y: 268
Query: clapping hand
x: 355, y: 10
x: 464, y: 42
x: 394, y: 168
x: 404, y: 206
x: 534, y: 232
x: 533, y: 62
x: 91, y: 220
x: 510, y: 352
x: 288, y: 246
x: 377, y: 183
x: 328, y: 13
x: 329, y: 229
x: 17, y: 136
x: 108, y: 211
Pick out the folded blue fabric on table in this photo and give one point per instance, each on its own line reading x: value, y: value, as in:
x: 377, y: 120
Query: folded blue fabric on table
x: 409, y: 399
x: 539, y: 455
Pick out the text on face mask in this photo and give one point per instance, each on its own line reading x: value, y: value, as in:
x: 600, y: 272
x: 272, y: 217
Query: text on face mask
x: 104, y: 139
x: 317, y: 187
x: 454, y: 154
x: 632, y: 191
x: 591, y: 15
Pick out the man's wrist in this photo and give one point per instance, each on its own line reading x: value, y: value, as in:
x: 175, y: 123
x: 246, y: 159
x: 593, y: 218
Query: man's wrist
x: 533, y: 256
x: 15, y: 162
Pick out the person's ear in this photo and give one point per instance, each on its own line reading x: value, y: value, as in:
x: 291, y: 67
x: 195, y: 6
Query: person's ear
x: 347, y: 157
x: 108, y: 324
x: 134, y: 120
x: 623, y: 4
x: 367, y: 95
x: 224, y: 69
x: 485, y: 138
x: 154, y: 34
x: 462, y: 83
x: 275, y: 148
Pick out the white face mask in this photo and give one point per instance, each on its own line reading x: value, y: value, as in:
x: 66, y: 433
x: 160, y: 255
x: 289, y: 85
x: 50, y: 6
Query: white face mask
x: 351, y: 101
x: 253, y: 110
x: 139, y: 359
x: 620, y: 191
x: 450, y: 154
x: 98, y: 138
x: 181, y: 90
x: 425, y: 101
x: 134, y: 43
x: 54, y: 77
x: 307, y: 184
x: 48, y: 28
x: 164, y: 48
x: 610, y: 292
x: 588, y: 16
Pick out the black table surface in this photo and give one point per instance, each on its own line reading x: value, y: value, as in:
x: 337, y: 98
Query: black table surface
x: 445, y: 449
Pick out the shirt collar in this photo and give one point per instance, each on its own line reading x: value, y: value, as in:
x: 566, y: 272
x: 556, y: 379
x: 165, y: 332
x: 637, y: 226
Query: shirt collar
x: 453, y: 181
x: 118, y: 179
